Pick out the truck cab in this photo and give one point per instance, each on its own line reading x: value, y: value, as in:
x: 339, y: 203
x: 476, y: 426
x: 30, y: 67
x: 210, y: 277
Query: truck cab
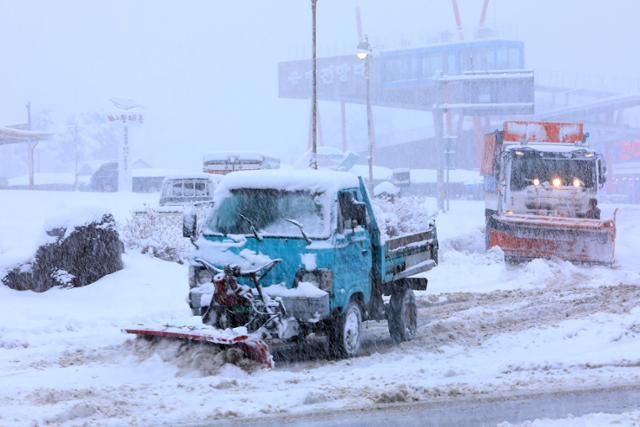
x: 544, y: 179
x: 334, y: 265
x: 541, y: 194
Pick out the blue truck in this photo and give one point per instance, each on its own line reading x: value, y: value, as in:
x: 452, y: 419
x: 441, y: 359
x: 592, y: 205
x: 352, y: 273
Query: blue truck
x: 284, y: 254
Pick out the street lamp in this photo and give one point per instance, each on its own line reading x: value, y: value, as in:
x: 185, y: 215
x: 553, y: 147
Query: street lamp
x: 363, y: 53
x: 363, y: 49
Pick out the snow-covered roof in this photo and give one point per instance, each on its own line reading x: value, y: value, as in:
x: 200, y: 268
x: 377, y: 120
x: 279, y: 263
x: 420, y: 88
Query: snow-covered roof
x: 196, y: 175
x: 224, y: 156
x: 10, y: 135
x: 320, y: 181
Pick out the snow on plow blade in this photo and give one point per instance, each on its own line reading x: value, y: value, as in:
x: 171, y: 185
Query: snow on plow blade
x: 524, y: 237
x: 254, y: 348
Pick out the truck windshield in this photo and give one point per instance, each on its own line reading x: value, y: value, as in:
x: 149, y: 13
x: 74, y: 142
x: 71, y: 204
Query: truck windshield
x: 526, y: 170
x: 271, y: 211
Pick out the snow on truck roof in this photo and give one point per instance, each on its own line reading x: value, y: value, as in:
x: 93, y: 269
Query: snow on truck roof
x: 321, y: 181
x: 550, y: 147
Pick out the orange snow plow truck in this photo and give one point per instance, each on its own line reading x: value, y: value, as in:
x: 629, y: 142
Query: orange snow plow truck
x: 541, y: 194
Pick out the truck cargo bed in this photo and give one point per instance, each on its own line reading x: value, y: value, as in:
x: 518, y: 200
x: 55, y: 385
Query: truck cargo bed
x: 410, y: 254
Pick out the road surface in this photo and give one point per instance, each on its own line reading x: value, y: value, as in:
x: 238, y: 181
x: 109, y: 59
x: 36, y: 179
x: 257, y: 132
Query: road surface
x: 467, y: 413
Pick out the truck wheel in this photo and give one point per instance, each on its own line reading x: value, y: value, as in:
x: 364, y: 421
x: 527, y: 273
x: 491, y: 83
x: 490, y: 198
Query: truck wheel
x: 345, y: 332
x: 402, y: 315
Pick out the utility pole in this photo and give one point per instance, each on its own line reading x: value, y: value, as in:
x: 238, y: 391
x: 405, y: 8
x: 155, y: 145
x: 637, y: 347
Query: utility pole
x: 343, y: 116
x: 439, y: 139
x: 314, y: 90
x: 449, y: 152
x: 77, y: 155
x: 31, y: 147
x: 363, y: 53
x: 367, y: 72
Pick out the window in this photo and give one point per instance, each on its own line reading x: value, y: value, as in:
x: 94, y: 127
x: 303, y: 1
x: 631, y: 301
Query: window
x: 176, y: 190
x: 201, y: 188
x: 514, y: 58
x: 189, y: 189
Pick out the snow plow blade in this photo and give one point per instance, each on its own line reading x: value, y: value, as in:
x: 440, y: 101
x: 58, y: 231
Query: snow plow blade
x: 525, y: 237
x: 254, y: 348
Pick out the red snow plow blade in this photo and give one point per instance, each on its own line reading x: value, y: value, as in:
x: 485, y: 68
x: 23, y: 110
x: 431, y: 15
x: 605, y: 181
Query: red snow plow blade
x: 525, y: 237
x: 254, y: 348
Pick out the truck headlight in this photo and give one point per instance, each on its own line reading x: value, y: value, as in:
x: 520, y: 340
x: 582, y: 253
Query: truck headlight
x: 322, y: 277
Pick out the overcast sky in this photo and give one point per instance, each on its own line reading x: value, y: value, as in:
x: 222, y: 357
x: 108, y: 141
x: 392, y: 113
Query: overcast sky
x: 207, y: 70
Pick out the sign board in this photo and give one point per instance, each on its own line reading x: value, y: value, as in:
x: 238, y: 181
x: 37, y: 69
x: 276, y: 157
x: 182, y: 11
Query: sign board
x: 126, y: 118
x: 488, y: 93
x: 338, y: 77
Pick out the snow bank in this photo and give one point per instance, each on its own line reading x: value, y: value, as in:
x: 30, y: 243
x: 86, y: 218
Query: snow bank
x: 24, y: 214
x: 80, y: 216
x: 83, y: 246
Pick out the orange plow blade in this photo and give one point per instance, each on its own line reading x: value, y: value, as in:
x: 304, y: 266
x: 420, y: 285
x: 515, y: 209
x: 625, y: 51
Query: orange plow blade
x: 525, y: 237
x: 253, y: 347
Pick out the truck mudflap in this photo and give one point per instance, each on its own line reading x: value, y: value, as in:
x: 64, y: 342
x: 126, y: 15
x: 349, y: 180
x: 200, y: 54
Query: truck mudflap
x: 525, y: 237
x: 252, y: 346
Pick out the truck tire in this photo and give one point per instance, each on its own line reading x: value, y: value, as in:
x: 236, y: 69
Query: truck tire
x: 402, y: 315
x: 346, y: 331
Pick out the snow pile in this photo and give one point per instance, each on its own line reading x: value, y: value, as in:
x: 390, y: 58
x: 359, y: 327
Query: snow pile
x: 386, y: 189
x: 190, y: 358
x: 65, y: 221
x: 401, y: 215
x: 81, y: 247
x: 25, y: 214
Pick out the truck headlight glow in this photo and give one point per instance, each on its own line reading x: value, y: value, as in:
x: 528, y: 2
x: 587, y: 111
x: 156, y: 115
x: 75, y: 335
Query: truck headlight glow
x: 557, y: 182
x: 536, y: 181
x: 577, y: 183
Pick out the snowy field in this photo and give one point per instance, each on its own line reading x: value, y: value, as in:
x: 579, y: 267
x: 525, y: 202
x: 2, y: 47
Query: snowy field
x: 486, y: 329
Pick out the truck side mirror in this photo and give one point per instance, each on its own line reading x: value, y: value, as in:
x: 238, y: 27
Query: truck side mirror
x: 602, y: 172
x: 189, y: 225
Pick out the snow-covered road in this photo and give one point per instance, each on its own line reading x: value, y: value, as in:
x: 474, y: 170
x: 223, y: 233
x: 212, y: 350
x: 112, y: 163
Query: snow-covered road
x: 486, y: 329
x: 586, y: 408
